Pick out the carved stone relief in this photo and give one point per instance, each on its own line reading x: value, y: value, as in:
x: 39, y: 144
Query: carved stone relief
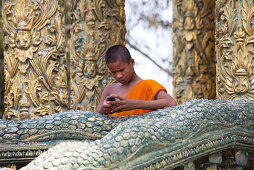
x: 193, y: 55
x: 234, y: 47
x: 96, y: 25
x: 35, y: 69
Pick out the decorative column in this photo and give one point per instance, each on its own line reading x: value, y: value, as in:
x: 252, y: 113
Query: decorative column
x: 34, y: 58
x: 234, y: 49
x: 193, y: 55
x: 1, y: 66
x: 96, y: 25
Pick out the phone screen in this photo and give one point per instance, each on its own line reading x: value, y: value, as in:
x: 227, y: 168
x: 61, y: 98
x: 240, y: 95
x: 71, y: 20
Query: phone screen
x: 111, y: 98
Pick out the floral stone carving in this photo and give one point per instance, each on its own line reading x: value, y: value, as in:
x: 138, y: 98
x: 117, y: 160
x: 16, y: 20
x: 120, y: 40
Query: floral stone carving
x: 96, y: 25
x: 35, y: 70
x: 234, y: 46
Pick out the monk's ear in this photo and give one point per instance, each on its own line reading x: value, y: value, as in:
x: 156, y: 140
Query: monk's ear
x: 132, y: 62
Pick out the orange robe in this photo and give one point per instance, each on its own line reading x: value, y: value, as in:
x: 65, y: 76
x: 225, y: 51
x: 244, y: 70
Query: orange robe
x: 143, y: 90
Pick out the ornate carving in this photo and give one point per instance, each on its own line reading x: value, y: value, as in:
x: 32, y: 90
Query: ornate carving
x: 194, y: 57
x: 96, y: 25
x: 20, y: 154
x: 234, y: 46
x: 35, y: 73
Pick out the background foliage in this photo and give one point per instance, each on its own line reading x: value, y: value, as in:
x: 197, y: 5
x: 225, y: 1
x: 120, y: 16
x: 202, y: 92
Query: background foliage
x: 149, y: 39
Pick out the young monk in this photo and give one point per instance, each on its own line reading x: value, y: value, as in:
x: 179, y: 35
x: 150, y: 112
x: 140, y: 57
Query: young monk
x: 131, y: 94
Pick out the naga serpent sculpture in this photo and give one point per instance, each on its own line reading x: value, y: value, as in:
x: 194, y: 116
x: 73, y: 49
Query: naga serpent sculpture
x: 162, y: 139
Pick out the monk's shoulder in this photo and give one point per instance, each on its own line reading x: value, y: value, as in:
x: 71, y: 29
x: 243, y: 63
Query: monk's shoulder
x: 110, y: 87
x: 154, y: 85
x: 151, y: 82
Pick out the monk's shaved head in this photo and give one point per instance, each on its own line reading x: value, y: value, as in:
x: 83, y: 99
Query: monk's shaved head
x: 117, y: 53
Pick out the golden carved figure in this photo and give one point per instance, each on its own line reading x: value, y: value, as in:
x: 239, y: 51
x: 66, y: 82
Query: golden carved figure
x: 234, y: 46
x: 35, y: 73
x: 193, y: 54
x: 96, y: 25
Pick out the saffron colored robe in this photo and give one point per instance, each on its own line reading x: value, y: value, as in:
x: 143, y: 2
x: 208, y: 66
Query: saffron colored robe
x: 143, y: 90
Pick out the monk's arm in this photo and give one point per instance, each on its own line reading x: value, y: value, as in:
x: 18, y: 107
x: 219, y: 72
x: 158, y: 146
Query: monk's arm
x: 162, y: 99
x: 165, y: 99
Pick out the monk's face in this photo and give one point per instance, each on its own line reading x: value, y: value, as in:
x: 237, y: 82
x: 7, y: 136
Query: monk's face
x: 122, y: 71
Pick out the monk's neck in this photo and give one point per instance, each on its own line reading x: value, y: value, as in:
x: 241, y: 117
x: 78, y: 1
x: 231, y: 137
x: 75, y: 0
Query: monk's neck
x: 135, y: 79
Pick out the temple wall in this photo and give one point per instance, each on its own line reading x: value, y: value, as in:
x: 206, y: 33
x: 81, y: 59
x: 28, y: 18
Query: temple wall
x: 193, y: 53
x: 34, y: 58
x: 234, y: 47
x: 96, y: 25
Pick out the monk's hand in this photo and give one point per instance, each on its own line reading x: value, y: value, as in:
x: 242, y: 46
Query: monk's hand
x: 108, y: 107
x: 123, y: 104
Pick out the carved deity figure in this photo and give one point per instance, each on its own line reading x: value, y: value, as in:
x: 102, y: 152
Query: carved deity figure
x: 194, y: 57
x: 96, y: 25
x: 35, y: 73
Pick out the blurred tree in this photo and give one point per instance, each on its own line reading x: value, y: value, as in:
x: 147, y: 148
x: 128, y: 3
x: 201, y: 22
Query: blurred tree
x: 149, y: 31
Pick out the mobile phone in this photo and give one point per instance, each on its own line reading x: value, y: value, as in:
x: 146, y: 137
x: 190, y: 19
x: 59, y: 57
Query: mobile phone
x: 109, y: 98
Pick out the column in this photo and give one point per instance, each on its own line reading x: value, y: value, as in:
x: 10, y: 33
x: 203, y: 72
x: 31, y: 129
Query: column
x: 1, y: 67
x: 34, y: 58
x: 193, y: 56
x: 96, y: 25
x: 234, y: 50
x: 189, y: 166
x: 241, y: 158
x: 215, y: 159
